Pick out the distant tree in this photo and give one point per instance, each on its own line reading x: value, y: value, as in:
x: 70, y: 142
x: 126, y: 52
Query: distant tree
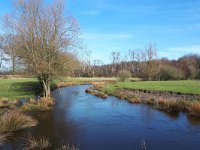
x: 43, y: 34
x: 2, y: 52
x: 135, y: 58
x: 149, y: 63
x: 10, y: 50
x: 189, y: 65
x: 96, y: 71
x: 167, y: 72
x: 115, y: 60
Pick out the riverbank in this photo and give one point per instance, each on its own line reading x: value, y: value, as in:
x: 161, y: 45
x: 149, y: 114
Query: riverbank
x: 26, y: 88
x: 24, y: 93
x: 181, y: 86
x: 168, y: 96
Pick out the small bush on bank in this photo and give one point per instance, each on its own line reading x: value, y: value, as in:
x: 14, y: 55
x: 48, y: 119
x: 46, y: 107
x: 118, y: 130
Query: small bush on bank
x: 123, y: 75
x: 14, y: 120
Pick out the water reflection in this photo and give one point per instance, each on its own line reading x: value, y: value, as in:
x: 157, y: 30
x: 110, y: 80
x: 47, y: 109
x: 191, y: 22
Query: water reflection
x: 93, y: 123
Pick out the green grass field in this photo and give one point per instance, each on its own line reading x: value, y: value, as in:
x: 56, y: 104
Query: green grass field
x: 26, y: 88
x: 183, y: 86
x: 18, y: 88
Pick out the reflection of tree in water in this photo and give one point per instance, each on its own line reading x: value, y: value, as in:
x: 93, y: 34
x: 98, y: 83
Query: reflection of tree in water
x: 172, y: 115
x: 193, y: 120
x: 53, y: 125
x: 147, y: 112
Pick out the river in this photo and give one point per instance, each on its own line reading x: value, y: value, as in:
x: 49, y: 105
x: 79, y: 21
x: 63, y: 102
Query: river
x: 92, y: 123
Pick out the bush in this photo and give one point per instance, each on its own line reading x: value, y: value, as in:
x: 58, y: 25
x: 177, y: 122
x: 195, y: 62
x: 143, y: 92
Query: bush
x: 123, y: 75
x: 170, y: 73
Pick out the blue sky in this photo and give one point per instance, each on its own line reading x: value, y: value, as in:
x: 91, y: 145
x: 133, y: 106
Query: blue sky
x: 116, y: 25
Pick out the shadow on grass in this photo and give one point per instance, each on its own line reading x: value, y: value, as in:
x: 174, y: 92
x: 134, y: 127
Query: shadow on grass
x: 29, y: 87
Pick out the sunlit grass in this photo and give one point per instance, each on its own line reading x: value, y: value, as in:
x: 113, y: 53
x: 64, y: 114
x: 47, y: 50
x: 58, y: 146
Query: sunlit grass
x: 20, y: 88
x: 17, y: 88
x: 183, y: 86
x: 191, y: 107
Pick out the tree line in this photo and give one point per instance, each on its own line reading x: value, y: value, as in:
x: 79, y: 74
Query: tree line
x: 146, y: 65
x: 39, y: 40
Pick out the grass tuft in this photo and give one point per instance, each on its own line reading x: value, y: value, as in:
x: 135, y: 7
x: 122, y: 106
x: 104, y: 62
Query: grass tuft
x: 4, y: 137
x: 194, y: 109
x: 43, y: 104
x: 14, y: 120
x: 67, y: 147
x: 36, y: 143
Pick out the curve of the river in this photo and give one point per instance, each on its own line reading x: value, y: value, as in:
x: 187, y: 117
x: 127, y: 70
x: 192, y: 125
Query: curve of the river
x: 92, y: 123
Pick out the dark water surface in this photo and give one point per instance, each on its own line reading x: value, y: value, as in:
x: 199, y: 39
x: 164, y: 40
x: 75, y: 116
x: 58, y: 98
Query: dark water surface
x: 92, y: 123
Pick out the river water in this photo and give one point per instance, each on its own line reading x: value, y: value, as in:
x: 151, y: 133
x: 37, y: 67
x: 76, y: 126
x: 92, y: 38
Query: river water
x: 92, y: 123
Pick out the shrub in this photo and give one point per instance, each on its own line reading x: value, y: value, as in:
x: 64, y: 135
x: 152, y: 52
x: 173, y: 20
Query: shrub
x: 14, y: 120
x: 170, y: 73
x: 123, y: 75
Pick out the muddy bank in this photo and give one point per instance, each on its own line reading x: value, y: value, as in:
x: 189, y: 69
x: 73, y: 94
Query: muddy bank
x: 96, y: 93
x: 95, y: 83
x: 165, y: 101
x: 157, y: 95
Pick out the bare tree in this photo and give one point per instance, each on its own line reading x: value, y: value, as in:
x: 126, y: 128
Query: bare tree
x: 149, y: 65
x: 2, y: 52
x: 115, y: 59
x: 9, y: 49
x: 96, y: 71
x: 43, y: 35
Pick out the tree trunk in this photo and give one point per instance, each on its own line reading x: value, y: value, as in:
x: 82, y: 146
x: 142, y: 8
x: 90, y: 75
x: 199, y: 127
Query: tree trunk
x: 149, y: 78
x: 13, y: 65
x: 46, y: 88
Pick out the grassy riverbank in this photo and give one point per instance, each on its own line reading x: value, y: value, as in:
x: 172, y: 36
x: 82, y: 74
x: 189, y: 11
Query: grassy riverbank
x: 17, y: 88
x: 181, y: 100
x: 14, y: 89
x: 182, y: 86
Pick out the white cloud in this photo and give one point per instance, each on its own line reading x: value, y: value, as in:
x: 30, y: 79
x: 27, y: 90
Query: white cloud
x: 107, y: 36
x: 90, y: 12
x: 176, y: 52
